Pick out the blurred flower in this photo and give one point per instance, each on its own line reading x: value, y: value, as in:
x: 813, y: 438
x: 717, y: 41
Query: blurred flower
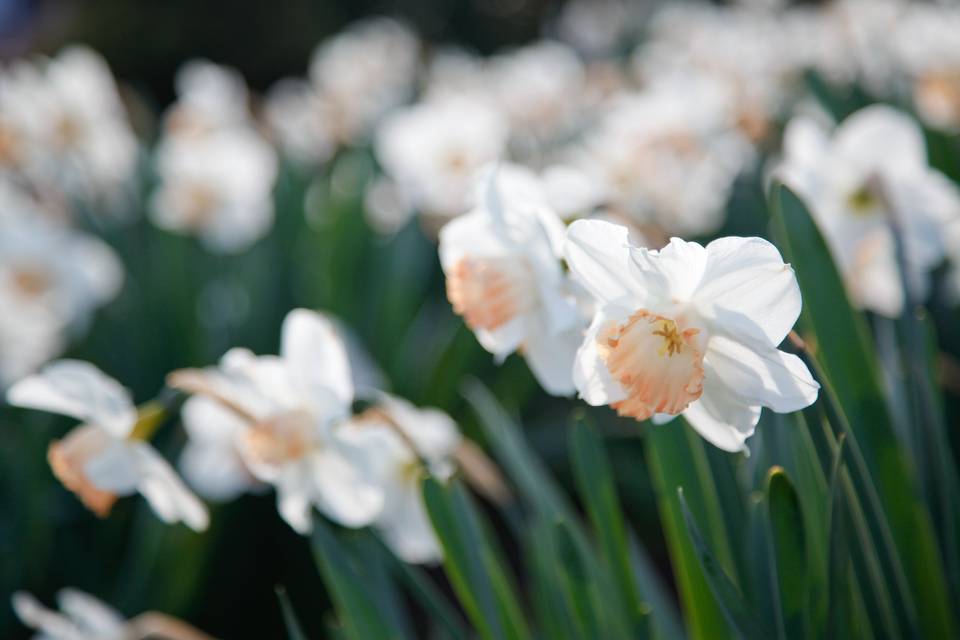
x: 415, y: 443
x: 668, y: 156
x: 280, y: 419
x: 105, y: 457
x: 926, y: 41
x: 52, y: 278
x: 216, y: 170
x: 433, y: 151
x: 596, y: 27
x: 689, y: 330
x: 870, y: 174
x: 504, y: 276
x: 539, y: 87
x: 301, y: 121
x: 364, y: 72
x: 83, y: 617
x: 63, y: 126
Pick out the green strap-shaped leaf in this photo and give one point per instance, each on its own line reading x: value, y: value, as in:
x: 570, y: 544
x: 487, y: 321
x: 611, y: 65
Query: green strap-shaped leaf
x: 676, y: 458
x: 735, y: 610
x: 540, y: 491
x: 594, y: 479
x: 362, y: 613
x: 790, y: 550
x: 294, y: 629
x: 846, y: 360
x: 472, y: 564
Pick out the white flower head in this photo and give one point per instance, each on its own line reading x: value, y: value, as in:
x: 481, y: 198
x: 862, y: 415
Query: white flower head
x: 504, y: 276
x: 870, y: 173
x: 688, y: 329
x: 433, y: 151
x: 280, y: 420
x: 364, y: 72
x: 102, y: 458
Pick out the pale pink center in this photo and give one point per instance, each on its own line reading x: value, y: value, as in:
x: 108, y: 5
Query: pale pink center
x: 489, y: 292
x: 69, y: 457
x: 657, y: 362
x: 281, y: 439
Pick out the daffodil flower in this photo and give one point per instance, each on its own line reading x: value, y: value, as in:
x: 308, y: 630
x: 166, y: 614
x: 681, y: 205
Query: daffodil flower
x: 281, y: 419
x: 104, y: 457
x: 414, y: 443
x: 688, y: 330
x: 862, y: 179
x: 505, y: 278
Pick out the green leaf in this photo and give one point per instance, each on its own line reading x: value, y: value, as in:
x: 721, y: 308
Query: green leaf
x: 677, y: 459
x: 363, y: 614
x: 846, y: 362
x: 474, y: 569
x: 595, y: 483
x: 578, y: 583
x: 735, y: 609
x: 294, y: 630
x: 539, y: 490
x: 790, y: 549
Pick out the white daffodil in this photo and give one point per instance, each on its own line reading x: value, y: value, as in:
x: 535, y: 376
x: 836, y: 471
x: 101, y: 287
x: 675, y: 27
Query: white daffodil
x: 364, y: 72
x: 216, y: 170
x: 539, y: 87
x: 870, y: 174
x: 280, y: 420
x: 63, y: 126
x: 52, y: 278
x: 81, y: 617
x: 300, y: 119
x: 505, y: 278
x: 688, y: 329
x: 434, y: 150
x: 669, y: 156
x: 104, y: 458
x: 413, y: 443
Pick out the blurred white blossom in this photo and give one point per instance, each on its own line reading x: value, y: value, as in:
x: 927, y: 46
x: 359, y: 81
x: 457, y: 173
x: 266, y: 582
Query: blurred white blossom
x: 81, y: 617
x: 869, y: 174
x: 105, y: 457
x: 216, y: 170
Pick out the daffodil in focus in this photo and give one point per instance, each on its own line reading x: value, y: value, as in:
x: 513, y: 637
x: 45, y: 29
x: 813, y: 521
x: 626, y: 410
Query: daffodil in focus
x: 505, y: 278
x: 281, y: 419
x: 415, y: 443
x: 688, y: 330
x: 104, y: 457
x: 866, y: 183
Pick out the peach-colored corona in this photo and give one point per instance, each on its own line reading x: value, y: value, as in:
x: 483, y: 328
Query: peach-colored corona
x: 487, y: 292
x: 657, y: 362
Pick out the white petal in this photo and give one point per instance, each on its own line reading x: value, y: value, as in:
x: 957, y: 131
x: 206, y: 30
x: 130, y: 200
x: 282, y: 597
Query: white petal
x: 166, y: 493
x: 79, y: 390
x: 406, y: 527
x: 748, y: 275
x: 116, y: 469
x: 720, y: 422
x: 315, y: 354
x: 598, y: 254
x: 206, y: 420
x: 671, y: 273
x: 53, y: 625
x: 294, y: 490
x: 760, y: 375
x: 215, y: 471
x: 94, y: 616
x: 434, y: 433
x: 551, y: 358
x: 591, y: 377
x: 344, y: 492
x: 882, y: 135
